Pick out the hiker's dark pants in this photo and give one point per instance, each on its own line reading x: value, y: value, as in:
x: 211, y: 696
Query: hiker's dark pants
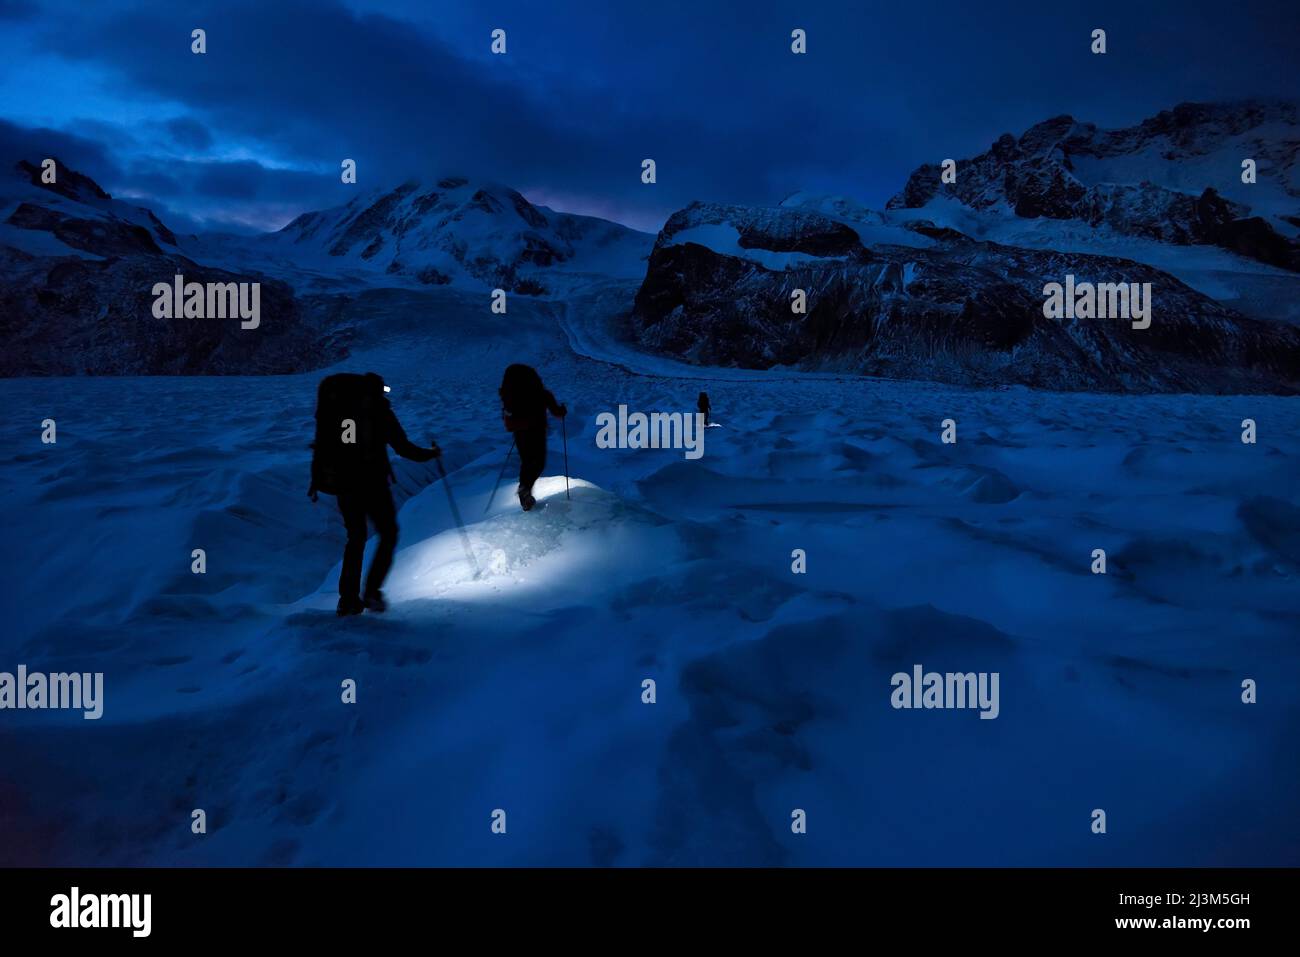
x: 374, y: 500
x: 531, y: 444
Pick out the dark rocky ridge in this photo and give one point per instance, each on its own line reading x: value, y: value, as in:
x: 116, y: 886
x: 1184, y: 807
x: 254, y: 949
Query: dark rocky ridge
x: 71, y: 316
x: 102, y: 237
x: 960, y: 311
x: 1035, y: 175
x: 93, y: 314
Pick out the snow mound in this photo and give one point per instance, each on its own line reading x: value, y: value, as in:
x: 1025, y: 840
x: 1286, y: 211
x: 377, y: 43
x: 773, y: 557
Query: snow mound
x: 563, y: 543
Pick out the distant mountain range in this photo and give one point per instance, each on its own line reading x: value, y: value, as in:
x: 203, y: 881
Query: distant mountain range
x: 944, y: 283
x: 932, y: 303
x: 77, y: 269
x: 948, y: 281
x: 1175, y: 178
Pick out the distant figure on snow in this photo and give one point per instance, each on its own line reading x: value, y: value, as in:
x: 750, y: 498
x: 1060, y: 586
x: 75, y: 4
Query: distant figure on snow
x: 354, y: 427
x: 524, y: 404
x: 703, y: 406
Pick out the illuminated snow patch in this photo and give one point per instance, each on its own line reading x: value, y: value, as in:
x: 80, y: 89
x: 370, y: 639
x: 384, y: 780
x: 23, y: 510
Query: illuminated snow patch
x: 512, y: 548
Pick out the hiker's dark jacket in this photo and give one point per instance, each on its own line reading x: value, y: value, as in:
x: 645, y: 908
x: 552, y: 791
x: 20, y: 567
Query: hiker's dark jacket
x: 529, y: 413
x: 394, y: 437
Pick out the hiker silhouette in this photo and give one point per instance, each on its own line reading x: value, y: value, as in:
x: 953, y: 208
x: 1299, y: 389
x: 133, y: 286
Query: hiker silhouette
x: 524, y: 404
x: 355, y: 426
x: 703, y: 406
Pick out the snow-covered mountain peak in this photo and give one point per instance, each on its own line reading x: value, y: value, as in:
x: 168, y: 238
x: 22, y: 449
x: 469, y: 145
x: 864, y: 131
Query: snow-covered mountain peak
x: 452, y: 229
x: 1177, y: 177
x: 73, y: 215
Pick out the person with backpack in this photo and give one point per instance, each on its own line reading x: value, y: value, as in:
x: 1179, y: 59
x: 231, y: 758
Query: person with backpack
x: 703, y: 406
x: 524, y: 404
x: 355, y: 426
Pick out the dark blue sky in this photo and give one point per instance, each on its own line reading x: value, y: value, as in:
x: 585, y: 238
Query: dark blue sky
x: 251, y: 134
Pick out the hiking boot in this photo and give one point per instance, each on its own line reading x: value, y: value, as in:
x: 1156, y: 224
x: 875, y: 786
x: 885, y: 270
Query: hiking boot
x: 350, y: 605
x: 375, y: 602
x: 526, y: 501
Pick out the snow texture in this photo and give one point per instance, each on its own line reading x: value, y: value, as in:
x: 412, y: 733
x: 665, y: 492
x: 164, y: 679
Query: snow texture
x: 515, y: 680
x: 521, y: 690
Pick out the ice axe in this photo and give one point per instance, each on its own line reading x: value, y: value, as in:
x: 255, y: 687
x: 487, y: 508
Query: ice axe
x: 455, y: 514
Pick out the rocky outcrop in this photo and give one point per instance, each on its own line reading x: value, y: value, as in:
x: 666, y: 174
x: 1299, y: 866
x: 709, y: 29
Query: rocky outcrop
x: 954, y: 310
x: 100, y: 236
x: 1162, y: 179
x: 76, y: 294
x: 75, y: 316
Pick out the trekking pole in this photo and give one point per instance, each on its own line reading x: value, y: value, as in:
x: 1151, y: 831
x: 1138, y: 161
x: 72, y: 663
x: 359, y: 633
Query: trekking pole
x: 564, y: 433
x: 455, y: 514
x: 500, y: 476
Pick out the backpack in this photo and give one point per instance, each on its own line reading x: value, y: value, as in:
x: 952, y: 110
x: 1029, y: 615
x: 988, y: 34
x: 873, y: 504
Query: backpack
x: 335, y: 464
x: 523, y: 397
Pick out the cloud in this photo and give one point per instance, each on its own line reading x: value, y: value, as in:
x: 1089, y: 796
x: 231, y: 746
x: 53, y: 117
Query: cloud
x: 589, y: 90
x: 313, y: 83
x: 189, y: 195
x: 17, y: 10
x: 241, y: 195
x: 35, y: 144
x: 188, y: 132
